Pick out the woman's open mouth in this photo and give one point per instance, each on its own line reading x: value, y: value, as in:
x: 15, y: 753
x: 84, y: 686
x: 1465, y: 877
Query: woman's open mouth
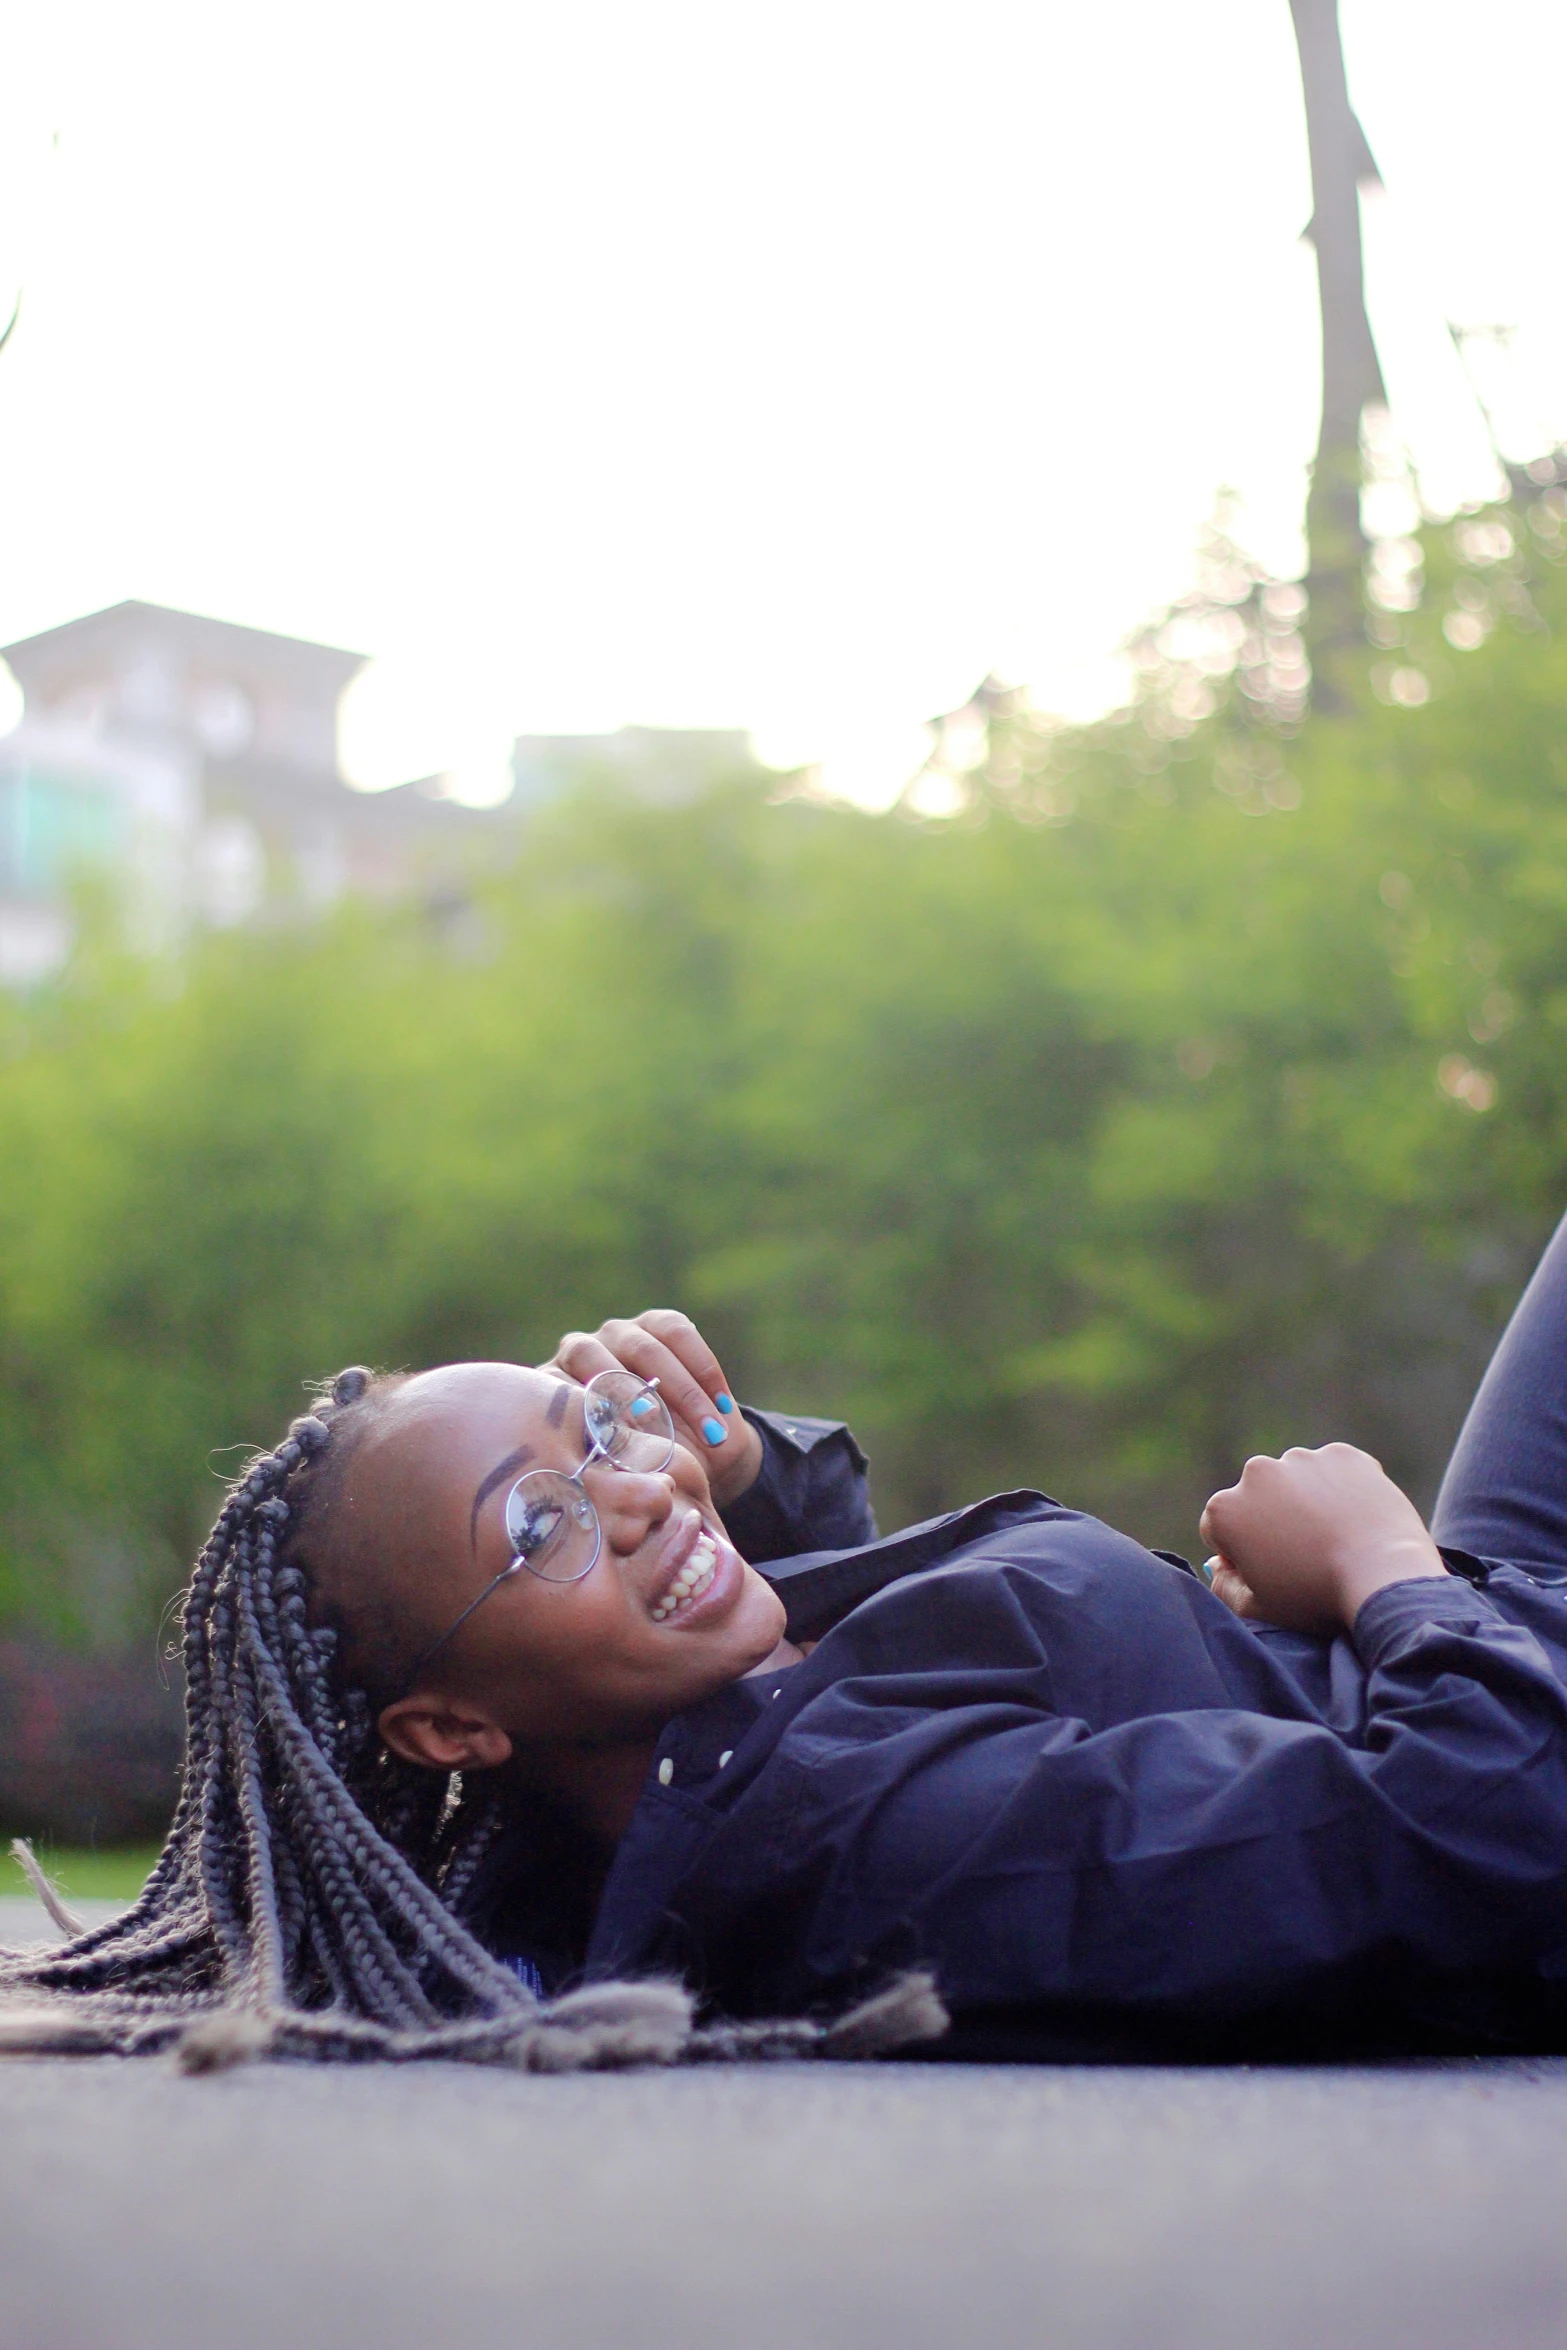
x: 706, y: 1579
x: 693, y: 1579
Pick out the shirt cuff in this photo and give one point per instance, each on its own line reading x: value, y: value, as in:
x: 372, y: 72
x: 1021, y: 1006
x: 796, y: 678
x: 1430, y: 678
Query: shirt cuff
x: 809, y: 1493
x: 1385, y: 1620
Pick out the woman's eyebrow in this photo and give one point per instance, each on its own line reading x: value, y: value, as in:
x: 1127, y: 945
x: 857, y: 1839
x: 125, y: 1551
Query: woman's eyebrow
x: 501, y: 1471
x: 558, y: 1403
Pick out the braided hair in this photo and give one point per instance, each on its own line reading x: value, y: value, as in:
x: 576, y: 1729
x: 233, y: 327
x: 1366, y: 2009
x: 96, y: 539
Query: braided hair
x: 309, y: 1899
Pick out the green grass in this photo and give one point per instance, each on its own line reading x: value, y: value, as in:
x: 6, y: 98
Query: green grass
x: 112, y: 1875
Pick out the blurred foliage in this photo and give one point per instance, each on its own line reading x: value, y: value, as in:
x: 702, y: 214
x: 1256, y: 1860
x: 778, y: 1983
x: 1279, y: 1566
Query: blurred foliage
x: 1196, y: 1084
x: 84, y: 1873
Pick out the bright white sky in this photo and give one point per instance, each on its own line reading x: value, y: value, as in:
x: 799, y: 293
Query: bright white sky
x: 712, y: 364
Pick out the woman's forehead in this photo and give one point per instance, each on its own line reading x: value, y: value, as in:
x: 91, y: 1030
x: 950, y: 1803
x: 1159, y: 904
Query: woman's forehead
x: 464, y: 1412
x: 480, y: 1389
x: 451, y: 1438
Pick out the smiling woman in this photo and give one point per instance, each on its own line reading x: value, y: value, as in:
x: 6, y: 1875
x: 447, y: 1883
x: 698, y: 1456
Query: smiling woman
x: 611, y: 1600
x: 499, y: 1745
x: 362, y: 1726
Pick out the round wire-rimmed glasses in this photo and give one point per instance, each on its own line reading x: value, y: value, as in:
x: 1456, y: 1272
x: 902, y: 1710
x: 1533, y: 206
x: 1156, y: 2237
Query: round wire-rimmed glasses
x: 551, y: 1524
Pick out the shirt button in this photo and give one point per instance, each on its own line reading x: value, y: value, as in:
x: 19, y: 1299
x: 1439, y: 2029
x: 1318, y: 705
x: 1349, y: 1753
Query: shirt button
x: 727, y: 1756
x: 666, y: 1770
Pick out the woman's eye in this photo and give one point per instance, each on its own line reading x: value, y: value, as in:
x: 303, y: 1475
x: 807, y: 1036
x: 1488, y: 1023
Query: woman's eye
x: 537, y: 1528
x: 605, y: 1426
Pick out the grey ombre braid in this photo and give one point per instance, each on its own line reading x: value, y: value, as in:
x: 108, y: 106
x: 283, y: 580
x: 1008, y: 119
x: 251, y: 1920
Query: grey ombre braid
x: 308, y: 1900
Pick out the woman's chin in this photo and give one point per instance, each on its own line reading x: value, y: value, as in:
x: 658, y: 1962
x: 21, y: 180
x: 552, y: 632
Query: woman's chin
x: 739, y: 1633
x: 764, y: 1620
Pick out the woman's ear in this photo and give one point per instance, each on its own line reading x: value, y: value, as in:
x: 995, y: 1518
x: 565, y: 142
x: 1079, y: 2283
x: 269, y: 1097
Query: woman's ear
x: 443, y: 1734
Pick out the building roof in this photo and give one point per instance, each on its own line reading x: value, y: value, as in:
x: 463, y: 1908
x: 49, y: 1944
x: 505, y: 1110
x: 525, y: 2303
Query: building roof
x: 56, y: 655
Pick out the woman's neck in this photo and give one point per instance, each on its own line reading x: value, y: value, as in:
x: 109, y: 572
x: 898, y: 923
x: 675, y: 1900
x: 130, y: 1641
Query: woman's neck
x: 600, y: 1785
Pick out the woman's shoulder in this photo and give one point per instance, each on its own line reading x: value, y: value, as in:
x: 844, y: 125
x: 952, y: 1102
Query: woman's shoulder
x: 1023, y: 1530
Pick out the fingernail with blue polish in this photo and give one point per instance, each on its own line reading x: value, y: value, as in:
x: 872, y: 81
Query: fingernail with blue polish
x: 713, y: 1430
x: 725, y: 1403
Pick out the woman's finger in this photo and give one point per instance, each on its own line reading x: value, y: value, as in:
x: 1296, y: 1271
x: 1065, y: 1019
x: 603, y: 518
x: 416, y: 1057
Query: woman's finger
x: 1225, y: 1584
x: 581, y: 1355
x: 686, y: 1397
x: 685, y: 1341
x: 1219, y: 1509
x: 707, y: 1427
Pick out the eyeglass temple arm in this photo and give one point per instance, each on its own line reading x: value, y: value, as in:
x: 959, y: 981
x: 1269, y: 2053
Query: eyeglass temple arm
x: 452, y: 1630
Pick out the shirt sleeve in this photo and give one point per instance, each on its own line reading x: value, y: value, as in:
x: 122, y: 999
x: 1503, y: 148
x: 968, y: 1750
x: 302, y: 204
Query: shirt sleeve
x: 1216, y: 1861
x: 809, y: 1494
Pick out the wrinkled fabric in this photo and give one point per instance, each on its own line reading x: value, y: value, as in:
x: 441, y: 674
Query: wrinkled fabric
x: 810, y: 1492
x: 1054, y: 1768
x: 1505, y: 1491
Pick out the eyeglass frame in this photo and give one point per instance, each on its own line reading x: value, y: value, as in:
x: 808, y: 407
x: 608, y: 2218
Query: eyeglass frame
x: 519, y: 1562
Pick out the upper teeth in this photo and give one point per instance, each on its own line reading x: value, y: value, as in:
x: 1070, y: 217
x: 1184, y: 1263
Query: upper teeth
x: 694, y: 1577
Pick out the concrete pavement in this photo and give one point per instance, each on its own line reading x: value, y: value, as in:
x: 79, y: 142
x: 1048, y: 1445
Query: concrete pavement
x: 22, y: 1919
x: 888, y: 2207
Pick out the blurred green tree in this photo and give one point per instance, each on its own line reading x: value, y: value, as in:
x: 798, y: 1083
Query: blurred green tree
x: 1197, y: 1086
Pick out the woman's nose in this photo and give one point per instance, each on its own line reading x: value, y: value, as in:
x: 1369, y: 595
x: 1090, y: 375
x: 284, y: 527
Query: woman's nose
x: 629, y: 1507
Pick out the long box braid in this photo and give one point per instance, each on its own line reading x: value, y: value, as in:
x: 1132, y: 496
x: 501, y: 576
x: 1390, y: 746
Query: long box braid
x: 308, y: 1900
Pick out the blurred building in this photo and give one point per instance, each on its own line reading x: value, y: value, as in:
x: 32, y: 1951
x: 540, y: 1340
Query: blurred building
x: 194, y: 764
x: 663, y: 765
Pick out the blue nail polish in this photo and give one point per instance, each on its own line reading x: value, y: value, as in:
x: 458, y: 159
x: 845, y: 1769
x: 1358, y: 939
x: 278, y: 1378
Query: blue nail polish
x: 713, y: 1430
x: 725, y: 1403
x: 641, y: 1408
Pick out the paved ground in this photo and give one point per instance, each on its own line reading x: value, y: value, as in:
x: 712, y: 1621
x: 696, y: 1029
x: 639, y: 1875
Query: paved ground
x: 888, y: 2207
x: 24, y: 1920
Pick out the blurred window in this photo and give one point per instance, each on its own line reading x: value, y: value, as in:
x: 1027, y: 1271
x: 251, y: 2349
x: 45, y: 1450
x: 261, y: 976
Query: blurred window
x: 50, y: 827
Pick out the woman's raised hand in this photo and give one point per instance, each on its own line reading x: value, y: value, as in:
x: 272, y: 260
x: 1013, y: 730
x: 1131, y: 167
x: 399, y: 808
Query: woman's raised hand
x: 1304, y: 1540
x: 668, y: 1347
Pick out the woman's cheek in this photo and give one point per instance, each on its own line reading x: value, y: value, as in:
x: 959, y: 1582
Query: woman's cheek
x: 690, y: 1474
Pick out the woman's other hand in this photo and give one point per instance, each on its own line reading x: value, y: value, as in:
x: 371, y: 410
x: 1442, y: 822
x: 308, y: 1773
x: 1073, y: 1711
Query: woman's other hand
x: 668, y: 1347
x: 1304, y: 1540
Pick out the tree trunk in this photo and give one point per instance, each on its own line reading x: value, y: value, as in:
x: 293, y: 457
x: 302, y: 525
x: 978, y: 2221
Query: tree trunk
x: 1341, y: 163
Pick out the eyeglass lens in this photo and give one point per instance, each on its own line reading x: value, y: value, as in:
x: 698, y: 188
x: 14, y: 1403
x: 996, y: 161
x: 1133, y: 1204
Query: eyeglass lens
x: 628, y: 1422
x: 553, y: 1526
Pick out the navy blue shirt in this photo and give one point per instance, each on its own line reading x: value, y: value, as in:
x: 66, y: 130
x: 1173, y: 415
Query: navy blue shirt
x: 1109, y: 1815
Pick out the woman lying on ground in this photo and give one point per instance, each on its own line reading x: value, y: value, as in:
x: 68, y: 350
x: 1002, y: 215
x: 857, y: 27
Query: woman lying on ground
x: 495, y: 1737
